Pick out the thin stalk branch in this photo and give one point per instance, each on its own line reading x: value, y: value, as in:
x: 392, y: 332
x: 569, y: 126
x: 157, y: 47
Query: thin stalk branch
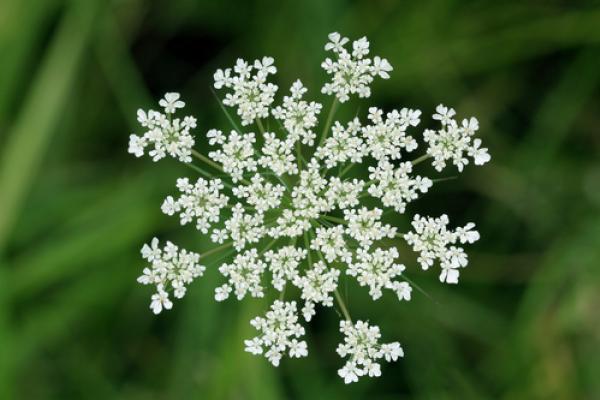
x: 260, y: 126
x: 328, y: 122
x: 206, y: 160
x: 342, y: 305
x: 420, y: 159
x: 216, y: 249
x: 345, y: 170
x: 335, y: 219
x: 231, y: 121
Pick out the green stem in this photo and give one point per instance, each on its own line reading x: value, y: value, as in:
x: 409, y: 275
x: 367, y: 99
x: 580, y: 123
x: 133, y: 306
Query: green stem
x: 206, y: 160
x: 420, y: 159
x: 231, y: 121
x: 342, y: 305
x: 282, y: 294
x: 263, y: 251
x: 213, y: 164
x: 334, y: 105
x: 260, y: 126
x: 345, y: 170
x: 299, y: 156
x: 338, y: 298
x: 216, y: 249
x: 335, y: 219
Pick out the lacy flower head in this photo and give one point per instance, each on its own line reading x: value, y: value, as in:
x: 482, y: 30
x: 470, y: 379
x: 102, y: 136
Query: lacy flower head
x: 304, y: 200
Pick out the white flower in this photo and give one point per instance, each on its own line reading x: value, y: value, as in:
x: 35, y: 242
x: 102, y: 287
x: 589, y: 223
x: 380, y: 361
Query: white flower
x: 170, y: 268
x: 386, y: 138
x: 236, y: 155
x: 278, y: 331
x: 351, y: 72
x: 433, y: 241
x: 160, y: 301
x: 336, y: 43
x: 452, y: 141
x: 277, y: 155
x: 344, y: 194
x: 168, y: 135
x: 330, y: 242
x: 362, y: 349
x: 365, y: 226
x: 250, y: 93
x: 343, y: 145
x: 317, y: 286
x: 299, y: 117
x: 284, y: 265
x: 377, y: 270
x: 137, y: 145
x: 261, y: 194
x: 244, y: 228
x: 215, y: 136
x: 171, y: 103
x: 202, y: 202
x: 295, y: 215
x: 395, y: 187
x: 244, y: 276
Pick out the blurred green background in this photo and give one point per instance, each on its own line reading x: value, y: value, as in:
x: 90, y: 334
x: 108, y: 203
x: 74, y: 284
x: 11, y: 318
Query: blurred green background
x: 75, y: 208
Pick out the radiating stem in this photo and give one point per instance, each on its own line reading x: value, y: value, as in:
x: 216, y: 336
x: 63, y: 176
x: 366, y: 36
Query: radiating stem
x: 206, y: 160
x: 299, y: 156
x: 335, y: 219
x: 216, y: 249
x: 420, y: 159
x: 260, y: 126
x: 345, y: 170
x: 342, y: 305
x: 328, y: 122
x: 213, y: 164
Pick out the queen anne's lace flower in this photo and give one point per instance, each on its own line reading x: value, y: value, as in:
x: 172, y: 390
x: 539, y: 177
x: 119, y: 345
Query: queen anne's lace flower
x: 365, y: 226
x: 277, y: 155
x: 280, y: 331
x: 171, y: 269
x: 331, y: 242
x: 361, y: 346
x: 298, y: 216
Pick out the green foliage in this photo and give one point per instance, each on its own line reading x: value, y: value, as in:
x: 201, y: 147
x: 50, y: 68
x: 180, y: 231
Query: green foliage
x: 75, y: 208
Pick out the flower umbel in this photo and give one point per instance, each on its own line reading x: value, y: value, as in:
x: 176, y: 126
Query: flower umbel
x: 284, y: 195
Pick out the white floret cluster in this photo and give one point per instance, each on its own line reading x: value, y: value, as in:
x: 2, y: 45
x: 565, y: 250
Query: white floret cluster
x: 285, y: 193
x: 167, y: 135
x: 361, y: 347
x: 351, y: 72
x: 433, y: 241
x: 170, y: 269
x: 452, y: 141
x: 249, y: 92
x: 201, y: 201
x: 280, y: 331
